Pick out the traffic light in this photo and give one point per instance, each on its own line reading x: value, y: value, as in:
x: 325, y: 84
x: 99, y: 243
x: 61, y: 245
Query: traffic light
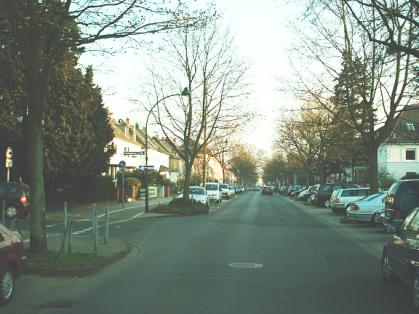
x: 9, y: 157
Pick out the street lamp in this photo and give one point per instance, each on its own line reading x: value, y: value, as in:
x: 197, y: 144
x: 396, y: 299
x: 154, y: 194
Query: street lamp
x: 185, y: 92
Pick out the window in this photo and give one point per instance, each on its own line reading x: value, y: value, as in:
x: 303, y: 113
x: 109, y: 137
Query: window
x: 347, y: 193
x: 363, y: 192
x: 410, y: 127
x: 410, y: 154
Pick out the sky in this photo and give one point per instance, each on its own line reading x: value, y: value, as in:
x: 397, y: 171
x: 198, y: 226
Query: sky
x: 262, y: 38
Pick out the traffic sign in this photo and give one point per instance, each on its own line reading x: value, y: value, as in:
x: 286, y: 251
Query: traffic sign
x: 122, y: 164
x: 134, y: 153
x: 148, y: 167
x: 9, y: 157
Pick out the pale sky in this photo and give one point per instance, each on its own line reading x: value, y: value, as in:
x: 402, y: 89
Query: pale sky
x: 262, y: 38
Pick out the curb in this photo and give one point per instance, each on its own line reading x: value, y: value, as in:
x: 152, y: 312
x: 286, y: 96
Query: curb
x: 79, y: 272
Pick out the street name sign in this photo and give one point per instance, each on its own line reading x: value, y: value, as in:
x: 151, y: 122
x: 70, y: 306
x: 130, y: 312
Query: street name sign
x: 148, y: 167
x: 134, y: 153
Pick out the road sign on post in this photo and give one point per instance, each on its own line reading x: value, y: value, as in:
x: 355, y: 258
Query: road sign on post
x: 122, y: 164
x: 148, y: 167
x: 9, y: 162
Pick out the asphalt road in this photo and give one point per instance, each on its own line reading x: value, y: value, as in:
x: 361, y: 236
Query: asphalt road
x: 255, y: 254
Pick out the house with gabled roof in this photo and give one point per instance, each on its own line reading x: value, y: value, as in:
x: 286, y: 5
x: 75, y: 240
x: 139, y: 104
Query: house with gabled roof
x: 176, y: 168
x: 125, y: 140
x: 131, y: 138
x: 399, y: 154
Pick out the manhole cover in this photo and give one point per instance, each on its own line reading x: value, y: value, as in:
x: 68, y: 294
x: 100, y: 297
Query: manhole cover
x: 57, y: 304
x: 245, y: 265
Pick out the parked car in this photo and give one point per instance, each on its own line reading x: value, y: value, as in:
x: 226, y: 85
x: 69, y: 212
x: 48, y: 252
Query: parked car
x: 268, y: 190
x: 368, y: 209
x: 16, y: 197
x: 197, y: 193
x: 225, y: 190
x: 214, y: 192
x: 12, y: 262
x: 306, y: 193
x: 341, y: 198
x: 231, y: 191
x: 400, y: 257
x: 402, y: 197
x: 293, y: 188
x: 325, y: 190
x: 283, y: 189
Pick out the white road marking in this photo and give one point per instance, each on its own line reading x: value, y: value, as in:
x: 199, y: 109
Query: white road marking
x: 138, y: 215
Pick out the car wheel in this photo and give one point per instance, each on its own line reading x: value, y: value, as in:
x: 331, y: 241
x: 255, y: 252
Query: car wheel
x: 386, y: 270
x: 7, y: 285
x: 11, y: 211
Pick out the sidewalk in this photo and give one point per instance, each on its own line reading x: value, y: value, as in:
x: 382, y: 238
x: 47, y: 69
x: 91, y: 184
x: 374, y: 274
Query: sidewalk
x: 85, y: 211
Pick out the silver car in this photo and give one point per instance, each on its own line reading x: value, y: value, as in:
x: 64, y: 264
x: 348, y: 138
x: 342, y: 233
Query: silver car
x: 197, y: 193
x: 368, y: 209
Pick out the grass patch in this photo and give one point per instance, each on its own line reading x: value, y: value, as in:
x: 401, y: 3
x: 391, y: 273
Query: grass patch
x: 177, y: 206
x: 52, y: 260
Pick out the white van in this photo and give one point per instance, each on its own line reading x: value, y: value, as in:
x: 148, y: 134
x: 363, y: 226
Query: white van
x: 213, y: 191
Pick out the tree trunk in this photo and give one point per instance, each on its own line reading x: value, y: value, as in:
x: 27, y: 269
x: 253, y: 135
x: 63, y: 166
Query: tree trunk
x: 188, y: 173
x: 35, y: 88
x: 373, y: 167
x: 38, y: 239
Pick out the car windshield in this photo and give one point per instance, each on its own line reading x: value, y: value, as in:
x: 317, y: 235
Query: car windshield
x: 212, y: 187
x: 197, y: 191
x: 224, y: 186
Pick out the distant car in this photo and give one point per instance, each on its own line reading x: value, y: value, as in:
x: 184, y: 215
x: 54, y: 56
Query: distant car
x: 401, y: 256
x: 306, y: 193
x: 214, y: 192
x: 197, y: 193
x: 268, y: 190
x: 16, y: 197
x: 367, y: 209
x: 402, y: 197
x: 225, y: 190
x: 12, y: 262
x: 231, y: 191
x: 283, y: 189
x: 341, y: 198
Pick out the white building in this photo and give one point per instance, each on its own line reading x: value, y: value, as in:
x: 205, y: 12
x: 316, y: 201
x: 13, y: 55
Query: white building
x: 399, y: 154
x: 130, y: 138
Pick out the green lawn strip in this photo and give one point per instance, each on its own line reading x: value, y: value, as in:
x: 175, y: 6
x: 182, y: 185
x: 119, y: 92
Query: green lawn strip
x: 52, y: 260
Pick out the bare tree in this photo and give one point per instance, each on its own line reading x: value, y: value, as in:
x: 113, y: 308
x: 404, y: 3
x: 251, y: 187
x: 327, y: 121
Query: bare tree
x: 372, y: 85
x: 41, y: 32
x: 397, y: 19
x: 204, y: 58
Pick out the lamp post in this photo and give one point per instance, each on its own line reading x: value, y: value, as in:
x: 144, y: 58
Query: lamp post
x: 185, y: 92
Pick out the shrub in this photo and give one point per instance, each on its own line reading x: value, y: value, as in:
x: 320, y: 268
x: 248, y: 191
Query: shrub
x: 133, y: 185
x: 385, y: 179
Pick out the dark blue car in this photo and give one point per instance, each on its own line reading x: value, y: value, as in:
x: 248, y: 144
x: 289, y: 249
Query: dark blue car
x: 401, y: 256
